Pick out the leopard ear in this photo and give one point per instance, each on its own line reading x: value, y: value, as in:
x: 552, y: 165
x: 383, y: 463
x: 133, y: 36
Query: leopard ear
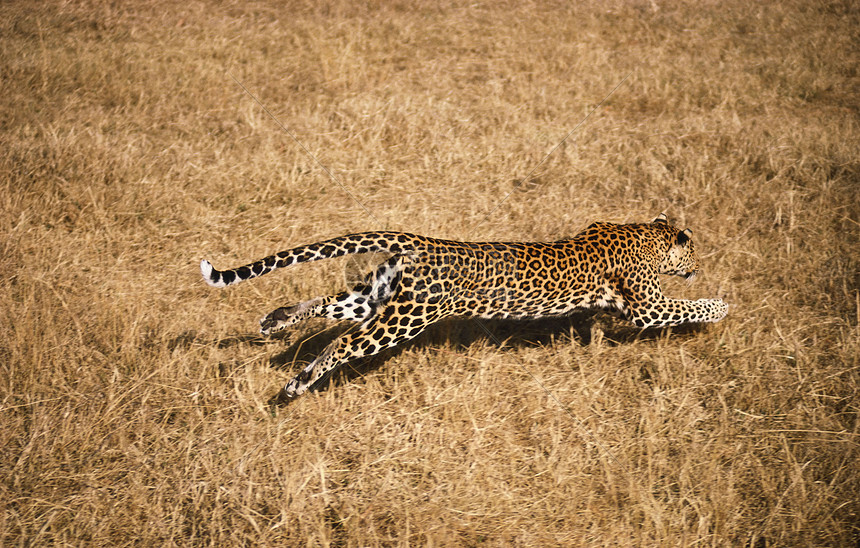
x: 684, y: 236
x: 661, y: 219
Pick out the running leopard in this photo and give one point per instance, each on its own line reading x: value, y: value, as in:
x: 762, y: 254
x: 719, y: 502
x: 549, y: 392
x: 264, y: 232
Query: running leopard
x: 607, y: 266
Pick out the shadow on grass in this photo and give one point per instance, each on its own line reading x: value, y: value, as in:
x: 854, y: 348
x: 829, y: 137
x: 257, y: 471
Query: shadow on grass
x: 186, y: 339
x: 460, y: 334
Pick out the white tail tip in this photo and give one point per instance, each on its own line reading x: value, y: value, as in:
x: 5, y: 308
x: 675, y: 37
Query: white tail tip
x: 207, y: 271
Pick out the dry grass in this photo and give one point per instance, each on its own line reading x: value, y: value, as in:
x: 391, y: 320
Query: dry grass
x: 133, y: 396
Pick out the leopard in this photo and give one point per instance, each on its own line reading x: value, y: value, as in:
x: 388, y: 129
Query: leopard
x: 608, y: 266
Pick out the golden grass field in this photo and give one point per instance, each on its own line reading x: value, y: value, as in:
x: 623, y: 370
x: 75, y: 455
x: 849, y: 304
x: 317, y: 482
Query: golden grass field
x: 133, y: 398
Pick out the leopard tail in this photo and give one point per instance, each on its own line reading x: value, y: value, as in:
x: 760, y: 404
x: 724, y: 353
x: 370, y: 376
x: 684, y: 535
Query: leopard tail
x: 365, y: 242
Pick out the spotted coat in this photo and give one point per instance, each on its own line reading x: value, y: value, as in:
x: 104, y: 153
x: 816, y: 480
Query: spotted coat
x: 609, y: 266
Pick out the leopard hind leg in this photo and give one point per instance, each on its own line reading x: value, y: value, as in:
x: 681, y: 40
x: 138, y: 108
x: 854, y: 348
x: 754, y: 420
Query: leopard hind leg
x: 371, y: 337
x: 357, y: 305
x: 397, y: 321
x: 343, y: 306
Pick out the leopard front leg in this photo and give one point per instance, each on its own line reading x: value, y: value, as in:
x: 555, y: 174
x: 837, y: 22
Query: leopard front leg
x: 646, y: 306
x: 666, y: 312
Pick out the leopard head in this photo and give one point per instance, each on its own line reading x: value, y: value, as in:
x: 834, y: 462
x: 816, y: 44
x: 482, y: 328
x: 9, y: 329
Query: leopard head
x: 680, y: 257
